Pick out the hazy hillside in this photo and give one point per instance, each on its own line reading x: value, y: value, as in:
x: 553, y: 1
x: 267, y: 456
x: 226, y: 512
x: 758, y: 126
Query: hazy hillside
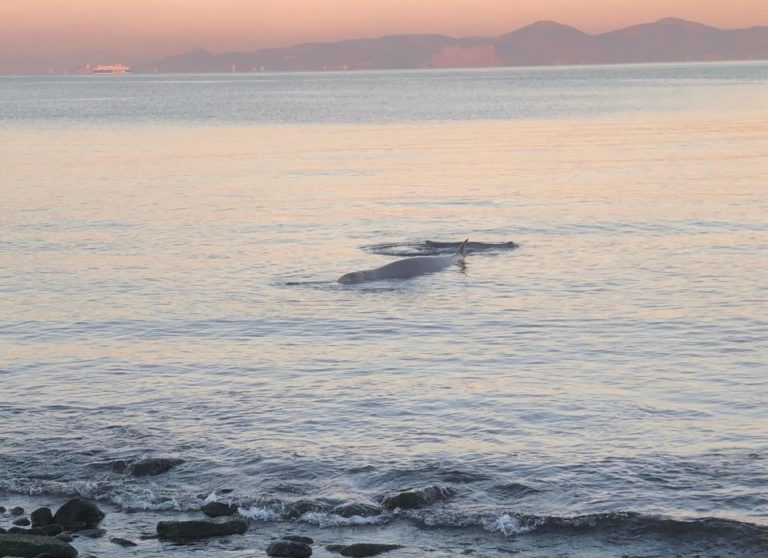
x: 542, y: 43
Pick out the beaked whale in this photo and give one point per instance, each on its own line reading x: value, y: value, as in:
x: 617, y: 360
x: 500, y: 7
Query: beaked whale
x: 406, y: 268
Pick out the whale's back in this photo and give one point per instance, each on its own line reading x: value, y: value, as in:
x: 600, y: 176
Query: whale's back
x: 412, y: 267
x: 401, y: 269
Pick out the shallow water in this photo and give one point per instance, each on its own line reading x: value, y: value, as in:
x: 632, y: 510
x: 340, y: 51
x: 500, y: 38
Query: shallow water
x: 168, y: 255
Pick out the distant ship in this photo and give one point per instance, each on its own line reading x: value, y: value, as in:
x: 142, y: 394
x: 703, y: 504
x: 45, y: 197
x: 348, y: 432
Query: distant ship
x: 102, y: 69
x: 110, y: 69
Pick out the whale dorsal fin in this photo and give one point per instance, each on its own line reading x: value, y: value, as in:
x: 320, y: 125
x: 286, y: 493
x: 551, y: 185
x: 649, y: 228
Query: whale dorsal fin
x: 463, y: 249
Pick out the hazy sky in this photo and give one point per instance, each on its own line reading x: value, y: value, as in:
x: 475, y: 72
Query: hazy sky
x: 160, y: 27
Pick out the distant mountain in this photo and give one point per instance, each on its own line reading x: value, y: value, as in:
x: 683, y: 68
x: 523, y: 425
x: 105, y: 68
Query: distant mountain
x: 540, y: 44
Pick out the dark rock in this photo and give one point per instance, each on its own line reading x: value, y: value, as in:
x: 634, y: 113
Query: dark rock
x: 2, y: 509
x: 78, y: 510
x: 22, y: 521
x: 152, y: 466
x: 2, y: 531
x: 298, y: 539
x: 66, y: 537
x: 75, y: 526
x: 289, y: 549
x: 361, y: 550
x: 41, y: 516
x: 44, y: 555
x: 20, y: 531
x: 361, y: 509
x: 48, y: 530
x: 417, y: 498
x: 122, y: 542
x: 224, y: 490
x: 185, y: 530
x: 29, y: 546
x: 18, y: 510
x: 218, y: 509
x: 296, y: 509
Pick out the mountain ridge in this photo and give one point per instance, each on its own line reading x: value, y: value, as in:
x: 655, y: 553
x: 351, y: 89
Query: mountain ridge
x: 540, y: 43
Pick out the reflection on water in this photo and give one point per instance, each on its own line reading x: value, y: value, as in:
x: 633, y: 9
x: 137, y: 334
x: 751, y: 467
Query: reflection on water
x: 179, y: 280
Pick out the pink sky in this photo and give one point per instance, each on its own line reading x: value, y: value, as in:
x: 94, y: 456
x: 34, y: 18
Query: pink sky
x: 161, y: 27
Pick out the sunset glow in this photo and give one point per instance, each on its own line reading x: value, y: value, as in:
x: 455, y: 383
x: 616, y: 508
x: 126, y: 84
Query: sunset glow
x: 161, y: 27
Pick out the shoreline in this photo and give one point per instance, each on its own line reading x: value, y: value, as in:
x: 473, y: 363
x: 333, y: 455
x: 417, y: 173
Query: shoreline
x: 673, y: 538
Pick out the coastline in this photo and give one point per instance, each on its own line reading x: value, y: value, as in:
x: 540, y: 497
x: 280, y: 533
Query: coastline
x: 668, y: 537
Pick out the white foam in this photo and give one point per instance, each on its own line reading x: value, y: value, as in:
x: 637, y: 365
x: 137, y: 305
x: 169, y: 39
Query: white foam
x: 35, y: 487
x: 212, y: 497
x: 507, y: 525
x: 322, y: 519
x: 259, y: 514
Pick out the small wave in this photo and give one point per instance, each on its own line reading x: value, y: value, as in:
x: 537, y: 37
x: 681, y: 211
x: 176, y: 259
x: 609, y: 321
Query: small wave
x: 96, y: 490
x: 631, y: 524
x: 442, y: 513
x: 260, y: 513
x: 508, y: 525
x: 323, y: 519
x: 514, y: 490
x: 125, y: 497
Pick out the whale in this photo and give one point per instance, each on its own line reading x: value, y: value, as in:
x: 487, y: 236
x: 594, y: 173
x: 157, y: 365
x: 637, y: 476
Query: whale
x: 406, y: 268
x: 473, y: 246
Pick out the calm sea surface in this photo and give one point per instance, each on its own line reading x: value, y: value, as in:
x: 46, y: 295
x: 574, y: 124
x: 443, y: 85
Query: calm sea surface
x: 169, y: 247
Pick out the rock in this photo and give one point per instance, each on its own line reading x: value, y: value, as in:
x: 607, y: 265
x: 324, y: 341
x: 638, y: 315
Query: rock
x: 47, y: 530
x: 2, y: 509
x: 91, y: 533
x: 2, y: 531
x: 299, y: 539
x: 66, y: 537
x: 20, y: 531
x: 361, y: 509
x: 122, y: 542
x: 296, y: 509
x: 18, y: 510
x: 218, y: 509
x: 152, y: 466
x: 29, y: 546
x: 417, y: 498
x: 289, y: 549
x: 41, y: 516
x: 185, y: 530
x: 22, y: 521
x: 76, y: 526
x: 78, y: 511
x: 361, y: 550
x: 44, y: 555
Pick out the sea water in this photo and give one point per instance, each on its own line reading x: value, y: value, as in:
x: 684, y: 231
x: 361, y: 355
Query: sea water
x: 169, y: 249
